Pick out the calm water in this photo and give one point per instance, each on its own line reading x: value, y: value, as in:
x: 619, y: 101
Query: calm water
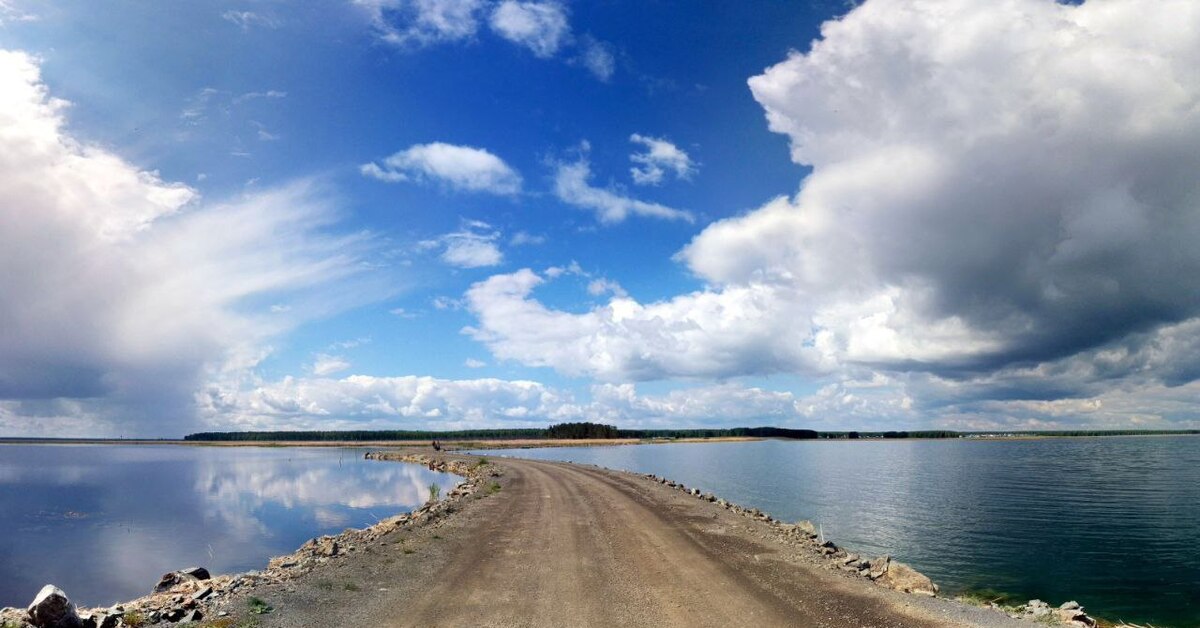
x: 105, y: 521
x: 1111, y: 522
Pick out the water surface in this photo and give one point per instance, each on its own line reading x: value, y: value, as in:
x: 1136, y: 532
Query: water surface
x: 103, y: 522
x: 1112, y: 522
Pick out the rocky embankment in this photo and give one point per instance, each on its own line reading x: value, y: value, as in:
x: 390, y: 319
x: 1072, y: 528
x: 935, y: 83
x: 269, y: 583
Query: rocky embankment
x: 192, y: 595
x: 882, y: 570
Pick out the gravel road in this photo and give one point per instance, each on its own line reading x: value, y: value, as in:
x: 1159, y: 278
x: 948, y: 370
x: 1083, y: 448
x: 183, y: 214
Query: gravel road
x: 564, y: 545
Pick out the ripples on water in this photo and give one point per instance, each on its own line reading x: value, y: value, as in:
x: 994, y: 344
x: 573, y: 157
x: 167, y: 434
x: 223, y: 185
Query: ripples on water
x: 1112, y: 522
x: 105, y: 521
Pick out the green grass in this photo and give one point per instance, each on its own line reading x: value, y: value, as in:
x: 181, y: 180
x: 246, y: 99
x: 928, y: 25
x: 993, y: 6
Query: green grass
x: 408, y: 551
x: 325, y: 585
x: 482, y: 462
x: 350, y: 586
x: 258, y: 606
x: 437, y: 537
x: 133, y: 619
x: 493, y: 488
x: 434, y: 491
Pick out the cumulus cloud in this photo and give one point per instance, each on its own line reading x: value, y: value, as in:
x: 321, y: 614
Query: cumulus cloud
x: 571, y: 185
x: 995, y: 187
x: 123, y: 292
x: 702, y: 335
x: 657, y: 158
x: 423, y: 22
x: 459, y: 167
x: 539, y: 26
x: 361, y: 402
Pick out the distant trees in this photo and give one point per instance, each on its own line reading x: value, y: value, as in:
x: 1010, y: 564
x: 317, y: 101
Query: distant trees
x: 582, y: 430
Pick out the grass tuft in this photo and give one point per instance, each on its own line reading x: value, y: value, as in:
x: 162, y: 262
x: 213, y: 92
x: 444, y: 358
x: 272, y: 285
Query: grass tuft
x: 258, y: 606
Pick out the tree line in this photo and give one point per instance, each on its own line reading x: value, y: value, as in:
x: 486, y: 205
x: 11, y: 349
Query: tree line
x: 587, y: 430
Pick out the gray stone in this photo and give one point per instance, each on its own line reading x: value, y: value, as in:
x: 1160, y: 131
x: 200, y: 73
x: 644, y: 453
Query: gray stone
x: 878, y: 567
x: 1072, y: 605
x: 52, y: 609
x: 202, y: 593
x: 198, y: 573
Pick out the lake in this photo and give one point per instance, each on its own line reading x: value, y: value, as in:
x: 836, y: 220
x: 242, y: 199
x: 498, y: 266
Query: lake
x: 1111, y: 522
x: 103, y: 522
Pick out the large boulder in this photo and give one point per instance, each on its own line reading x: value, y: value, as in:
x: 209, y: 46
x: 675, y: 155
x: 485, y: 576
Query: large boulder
x: 901, y: 577
x: 52, y: 609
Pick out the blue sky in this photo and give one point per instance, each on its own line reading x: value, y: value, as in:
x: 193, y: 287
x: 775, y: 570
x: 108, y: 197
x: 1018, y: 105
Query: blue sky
x: 463, y: 213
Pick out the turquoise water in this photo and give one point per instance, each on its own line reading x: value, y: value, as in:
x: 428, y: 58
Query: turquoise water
x: 103, y: 522
x: 1112, y: 522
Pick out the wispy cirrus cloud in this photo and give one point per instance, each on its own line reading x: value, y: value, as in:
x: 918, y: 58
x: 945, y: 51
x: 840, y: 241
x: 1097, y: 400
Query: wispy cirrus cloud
x: 126, y: 293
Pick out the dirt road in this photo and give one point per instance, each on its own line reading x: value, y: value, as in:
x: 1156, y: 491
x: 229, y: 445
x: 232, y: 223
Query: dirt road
x: 564, y: 545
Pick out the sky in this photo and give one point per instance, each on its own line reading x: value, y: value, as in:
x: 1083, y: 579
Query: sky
x: 449, y: 214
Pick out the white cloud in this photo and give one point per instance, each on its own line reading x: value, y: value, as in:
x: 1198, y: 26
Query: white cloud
x: 994, y: 185
x: 571, y: 186
x: 472, y: 363
x: 657, y: 159
x: 474, y: 246
x: 522, y: 238
x: 459, y: 167
x: 597, y: 58
x: 540, y: 26
x: 703, y: 334
x: 326, y: 364
x: 598, y: 287
x: 361, y: 401
x: 423, y: 22
x: 123, y: 292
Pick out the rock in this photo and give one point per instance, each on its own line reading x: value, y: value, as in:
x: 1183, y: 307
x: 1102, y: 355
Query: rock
x: 195, y: 615
x: 1070, y: 606
x: 52, y: 609
x: 202, y: 593
x: 850, y: 559
x: 806, y: 527
x: 1075, y: 617
x: 1037, y: 609
x: 198, y: 573
x: 901, y: 577
x: 878, y: 567
x: 109, y: 621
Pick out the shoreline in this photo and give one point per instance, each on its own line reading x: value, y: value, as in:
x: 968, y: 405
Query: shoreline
x: 215, y: 598
x: 532, y: 443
